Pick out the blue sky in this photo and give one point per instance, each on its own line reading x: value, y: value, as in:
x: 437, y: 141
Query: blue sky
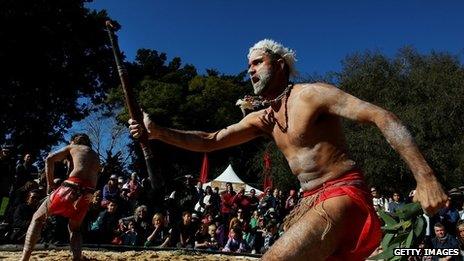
x: 217, y: 34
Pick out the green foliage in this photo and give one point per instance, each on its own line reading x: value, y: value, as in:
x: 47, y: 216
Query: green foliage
x: 52, y: 54
x: 406, y: 232
x: 425, y: 91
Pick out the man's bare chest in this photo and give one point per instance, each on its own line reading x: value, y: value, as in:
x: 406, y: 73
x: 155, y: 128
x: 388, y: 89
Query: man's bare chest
x: 290, y: 127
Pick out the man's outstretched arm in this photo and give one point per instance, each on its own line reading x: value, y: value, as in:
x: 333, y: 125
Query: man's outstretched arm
x: 241, y: 132
x: 332, y: 100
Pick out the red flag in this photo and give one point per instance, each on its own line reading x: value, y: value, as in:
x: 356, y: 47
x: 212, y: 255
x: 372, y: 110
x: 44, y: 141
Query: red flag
x: 267, y: 183
x: 267, y: 161
x: 204, y: 169
x: 267, y: 180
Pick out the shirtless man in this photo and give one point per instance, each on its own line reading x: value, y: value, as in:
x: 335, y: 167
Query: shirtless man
x: 336, y: 220
x: 72, y: 198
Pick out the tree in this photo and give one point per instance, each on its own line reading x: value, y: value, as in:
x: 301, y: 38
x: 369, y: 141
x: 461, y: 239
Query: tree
x: 107, y: 138
x: 426, y: 92
x: 53, y: 54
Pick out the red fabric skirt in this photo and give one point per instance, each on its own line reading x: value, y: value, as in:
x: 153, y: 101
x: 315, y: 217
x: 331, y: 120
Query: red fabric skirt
x: 71, y: 201
x: 370, y: 234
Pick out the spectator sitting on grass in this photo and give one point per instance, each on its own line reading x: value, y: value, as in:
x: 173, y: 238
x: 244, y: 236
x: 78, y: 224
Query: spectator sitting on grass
x: 161, y: 235
x: 201, y: 237
x: 213, y: 243
x: 186, y: 231
x: 270, y: 236
x: 235, y: 243
x: 130, y: 236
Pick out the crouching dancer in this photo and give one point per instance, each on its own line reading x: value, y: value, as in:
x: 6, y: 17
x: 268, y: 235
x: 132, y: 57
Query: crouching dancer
x: 72, y: 198
x: 336, y: 219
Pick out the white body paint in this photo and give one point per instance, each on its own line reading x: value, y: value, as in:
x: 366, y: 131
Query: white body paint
x: 397, y: 134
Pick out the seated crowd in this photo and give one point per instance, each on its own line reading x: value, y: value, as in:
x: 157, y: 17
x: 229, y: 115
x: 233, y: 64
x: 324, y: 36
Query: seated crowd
x: 122, y: 213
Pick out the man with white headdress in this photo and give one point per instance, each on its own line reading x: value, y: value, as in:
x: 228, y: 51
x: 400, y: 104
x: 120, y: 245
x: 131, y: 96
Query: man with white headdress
x: 336, y: 219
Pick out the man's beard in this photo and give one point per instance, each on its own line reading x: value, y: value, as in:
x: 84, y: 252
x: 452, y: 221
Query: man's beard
x: 264, y: 77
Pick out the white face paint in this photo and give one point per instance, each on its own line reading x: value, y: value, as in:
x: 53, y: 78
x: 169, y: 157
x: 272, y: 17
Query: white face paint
x: 262, y: 71
x: 264, y: 76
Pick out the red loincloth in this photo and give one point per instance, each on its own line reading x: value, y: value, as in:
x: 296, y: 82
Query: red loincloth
x: 370, y: 234
x: 72, y: 199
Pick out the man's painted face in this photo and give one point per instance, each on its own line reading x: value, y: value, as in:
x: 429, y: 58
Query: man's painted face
x: 260, y: 70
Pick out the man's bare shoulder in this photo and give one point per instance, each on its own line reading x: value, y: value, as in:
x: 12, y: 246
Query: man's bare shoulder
x: 313, y: 94
x: 308, y: 90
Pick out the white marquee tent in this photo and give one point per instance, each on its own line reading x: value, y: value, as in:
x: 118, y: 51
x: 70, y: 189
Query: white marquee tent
x: 229, y: 175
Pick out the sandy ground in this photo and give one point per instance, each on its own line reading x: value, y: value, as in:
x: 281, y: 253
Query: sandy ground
x: 62, y: 255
